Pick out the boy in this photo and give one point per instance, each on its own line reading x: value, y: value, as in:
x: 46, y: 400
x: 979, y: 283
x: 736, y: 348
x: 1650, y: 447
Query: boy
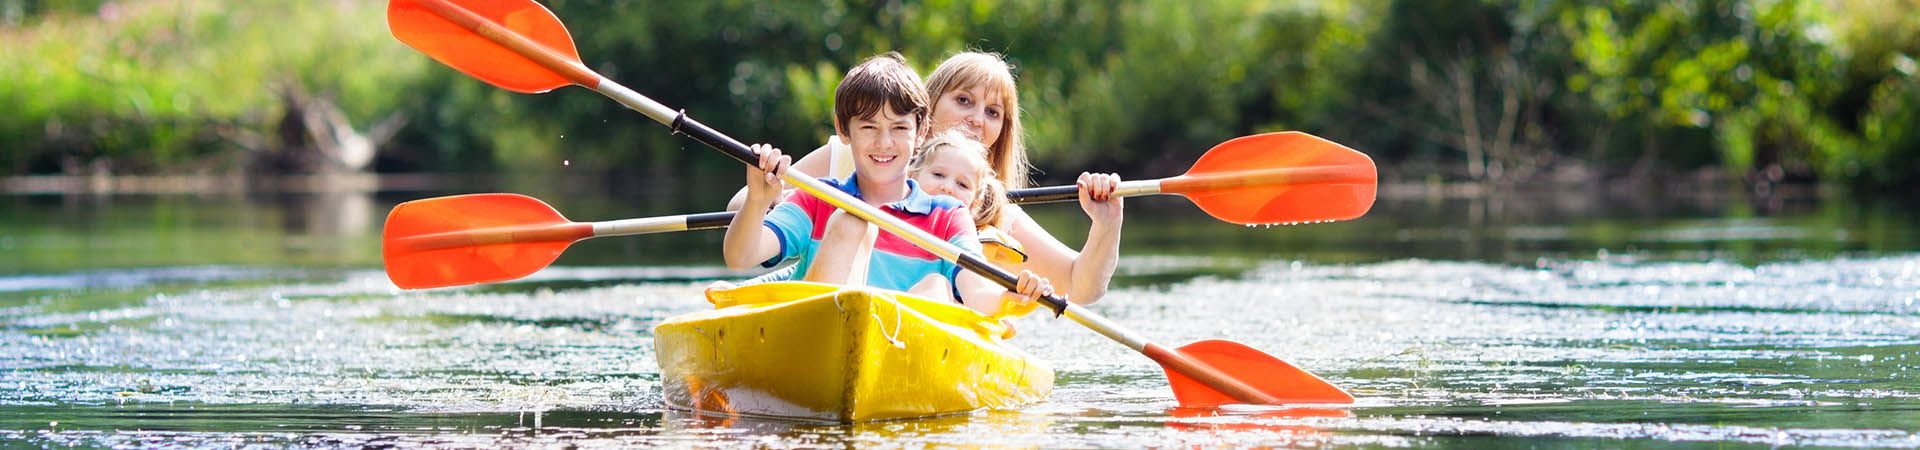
x: 880, y: 111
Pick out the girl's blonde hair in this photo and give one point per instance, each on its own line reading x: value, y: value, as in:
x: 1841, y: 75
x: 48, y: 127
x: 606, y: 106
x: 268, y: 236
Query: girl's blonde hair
x: 990, y: 194
x: 1008, y: 156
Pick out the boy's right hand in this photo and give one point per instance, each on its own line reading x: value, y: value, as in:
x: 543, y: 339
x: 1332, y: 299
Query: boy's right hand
x: 1025, y: 295
x: 763, y: 180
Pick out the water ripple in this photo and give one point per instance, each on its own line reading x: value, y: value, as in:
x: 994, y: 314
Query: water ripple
x: 1607, y: 352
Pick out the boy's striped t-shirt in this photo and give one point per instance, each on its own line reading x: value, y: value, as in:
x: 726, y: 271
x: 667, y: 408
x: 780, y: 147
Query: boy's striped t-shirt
x: 800, y: 221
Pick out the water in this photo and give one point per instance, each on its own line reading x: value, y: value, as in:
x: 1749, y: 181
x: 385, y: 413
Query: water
x: 1512, y: 322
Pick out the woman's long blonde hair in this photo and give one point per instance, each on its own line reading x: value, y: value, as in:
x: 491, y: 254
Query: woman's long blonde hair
x: 989, y: 194
x: 1008, y: 155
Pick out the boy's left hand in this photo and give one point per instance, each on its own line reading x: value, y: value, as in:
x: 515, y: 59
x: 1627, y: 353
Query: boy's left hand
x: 1097, y: 199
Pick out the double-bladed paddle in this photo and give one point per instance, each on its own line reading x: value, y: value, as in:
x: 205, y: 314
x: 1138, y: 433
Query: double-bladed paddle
x: 520, y: 45
x: 1271, y: 178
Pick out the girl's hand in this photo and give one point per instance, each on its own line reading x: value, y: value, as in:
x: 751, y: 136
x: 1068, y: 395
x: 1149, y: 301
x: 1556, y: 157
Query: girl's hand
x: 763, y: 180
x: 1097, y: 199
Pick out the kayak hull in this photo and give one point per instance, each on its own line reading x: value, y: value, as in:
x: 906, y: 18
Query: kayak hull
x: 819, y: 352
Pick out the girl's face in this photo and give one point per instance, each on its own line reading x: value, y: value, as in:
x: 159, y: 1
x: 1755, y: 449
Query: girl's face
x: 976, y: 109
x: 948, y: 173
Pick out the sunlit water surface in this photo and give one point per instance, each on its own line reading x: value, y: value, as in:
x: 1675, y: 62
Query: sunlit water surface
x: 1541, y: 347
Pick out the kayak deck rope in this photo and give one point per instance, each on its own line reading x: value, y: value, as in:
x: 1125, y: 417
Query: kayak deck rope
x: 893, y: 337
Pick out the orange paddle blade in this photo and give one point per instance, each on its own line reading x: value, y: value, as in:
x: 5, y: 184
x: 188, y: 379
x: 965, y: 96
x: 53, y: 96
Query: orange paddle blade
x: 476, y: 238
x: 1279, y: 178
x: 455, y: 32
x: 1268, y: 374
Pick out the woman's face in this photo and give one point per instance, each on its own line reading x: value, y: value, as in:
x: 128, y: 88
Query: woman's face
x: 950, y: 174
x: 976, y: 109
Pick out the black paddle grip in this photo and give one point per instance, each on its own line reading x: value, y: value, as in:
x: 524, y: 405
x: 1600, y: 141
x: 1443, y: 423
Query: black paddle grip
x: 706, y: 135
x: 1048, y: 194
x: 709, y: 221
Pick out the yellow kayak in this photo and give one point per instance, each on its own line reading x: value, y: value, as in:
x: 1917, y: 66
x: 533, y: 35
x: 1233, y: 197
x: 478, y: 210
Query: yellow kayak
x: 822, y: 352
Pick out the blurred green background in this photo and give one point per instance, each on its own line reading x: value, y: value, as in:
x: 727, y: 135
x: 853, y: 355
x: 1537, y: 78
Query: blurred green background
x: 1511, y: 92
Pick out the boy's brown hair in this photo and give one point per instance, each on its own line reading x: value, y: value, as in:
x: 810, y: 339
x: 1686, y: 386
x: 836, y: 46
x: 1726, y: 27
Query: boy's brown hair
x: 883, y: 80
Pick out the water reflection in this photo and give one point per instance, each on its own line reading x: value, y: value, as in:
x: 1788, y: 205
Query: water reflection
x: 41, y: 234
x: 343, y: 214
x: 1489, y: 322
x: 1282, y: 419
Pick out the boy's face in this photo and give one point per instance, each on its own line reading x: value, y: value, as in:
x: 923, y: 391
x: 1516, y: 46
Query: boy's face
x: 882, y: 143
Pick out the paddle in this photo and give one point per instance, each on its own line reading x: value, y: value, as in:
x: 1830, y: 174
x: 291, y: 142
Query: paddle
x: 482, y: 238
x: 519, y: 45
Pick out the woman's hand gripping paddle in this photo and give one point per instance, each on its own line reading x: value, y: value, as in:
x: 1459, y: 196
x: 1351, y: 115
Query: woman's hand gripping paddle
x: 442, y: 28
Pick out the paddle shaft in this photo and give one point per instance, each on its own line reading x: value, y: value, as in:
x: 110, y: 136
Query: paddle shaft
x: 572, y: 231
x: 719, y: 220
x: 680, y: 123
x: 716, y: 220
x: 1190, y: 183
x: 1183, y: 184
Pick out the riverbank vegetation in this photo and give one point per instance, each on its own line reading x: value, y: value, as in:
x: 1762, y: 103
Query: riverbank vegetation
x: 1471, y: 90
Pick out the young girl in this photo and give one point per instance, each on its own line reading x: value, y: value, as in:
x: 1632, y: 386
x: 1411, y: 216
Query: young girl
x: 975, y: 92
x: 955, y: 165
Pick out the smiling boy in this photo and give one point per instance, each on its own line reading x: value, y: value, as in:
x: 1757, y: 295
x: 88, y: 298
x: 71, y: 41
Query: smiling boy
x: 880, y: 111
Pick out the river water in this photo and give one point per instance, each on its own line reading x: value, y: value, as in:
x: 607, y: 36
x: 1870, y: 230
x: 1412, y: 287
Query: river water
x: 1568, y: 320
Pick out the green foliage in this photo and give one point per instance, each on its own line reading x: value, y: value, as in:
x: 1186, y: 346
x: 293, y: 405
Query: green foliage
x: 1497, y: 90
x: 15, y: 12
x: 160, y: 85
